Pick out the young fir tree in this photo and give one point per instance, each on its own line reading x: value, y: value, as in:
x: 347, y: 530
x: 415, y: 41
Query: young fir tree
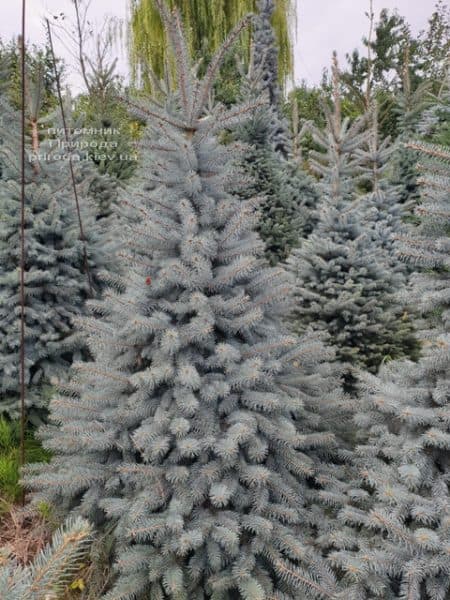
x: 434, y: 125
x: 287, y: 213
x: 61, y: 269
x: 393, y: 539
x: 343, y: 284
x: 9, y: 120
x: 102, y: 190
x: 190, y: 429
x: 410, y: 106
x: 106, y: 122
x: 384, y: 211
x: 288, y: 210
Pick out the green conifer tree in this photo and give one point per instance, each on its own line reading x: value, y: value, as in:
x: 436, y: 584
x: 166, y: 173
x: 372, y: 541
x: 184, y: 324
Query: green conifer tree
x: 410, y: 104
x: 194, y: 429
x: 104, y: 117
x: 88, y: 146
x: 434, y: 124
x: 4, y: 65
x: 290, y: 197
x: 265, y: 71
x: 343, y: 284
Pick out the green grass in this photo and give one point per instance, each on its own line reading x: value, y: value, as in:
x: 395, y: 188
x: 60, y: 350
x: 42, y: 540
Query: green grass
x: 10, y: 489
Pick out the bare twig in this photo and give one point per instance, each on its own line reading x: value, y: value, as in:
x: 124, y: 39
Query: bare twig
x: 81, y: 24
x: 72, y: 173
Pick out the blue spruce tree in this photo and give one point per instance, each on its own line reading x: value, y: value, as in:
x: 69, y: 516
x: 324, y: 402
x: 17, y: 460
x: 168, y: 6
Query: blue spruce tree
x: 61, y: 269
x: 343, y: 285
x: 384, y: 213
x: 393, y: 535
x: 193, y: 430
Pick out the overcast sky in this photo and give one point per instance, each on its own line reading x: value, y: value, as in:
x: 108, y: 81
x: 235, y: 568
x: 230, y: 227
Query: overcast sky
x: 323, y: 26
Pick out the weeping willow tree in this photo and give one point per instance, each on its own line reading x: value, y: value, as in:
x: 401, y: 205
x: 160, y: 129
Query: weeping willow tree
x: 207, y: 22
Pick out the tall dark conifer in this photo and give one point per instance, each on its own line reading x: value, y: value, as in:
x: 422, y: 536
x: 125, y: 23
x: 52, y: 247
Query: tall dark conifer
x: 289, y: 195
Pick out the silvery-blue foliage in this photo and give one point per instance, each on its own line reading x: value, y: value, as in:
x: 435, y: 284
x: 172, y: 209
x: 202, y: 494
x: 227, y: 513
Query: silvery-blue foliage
x: 56, y: 280
x: 381, y: 207
x: 196, y: 428
x: 393, y: 535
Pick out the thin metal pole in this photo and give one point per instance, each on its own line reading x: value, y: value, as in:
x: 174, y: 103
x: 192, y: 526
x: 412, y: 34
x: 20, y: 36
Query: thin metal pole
x: 72, y: 172
x: 22, y: 251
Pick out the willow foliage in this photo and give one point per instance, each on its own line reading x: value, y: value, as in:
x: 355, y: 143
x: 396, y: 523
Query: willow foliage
x: 206, y: 22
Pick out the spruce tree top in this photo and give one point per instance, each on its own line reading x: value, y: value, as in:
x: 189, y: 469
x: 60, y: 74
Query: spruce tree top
x: 265, y: 54
x: 290, y: 197
x: 383, y: 211
x: 263, y: 79
x: 337, y: 162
